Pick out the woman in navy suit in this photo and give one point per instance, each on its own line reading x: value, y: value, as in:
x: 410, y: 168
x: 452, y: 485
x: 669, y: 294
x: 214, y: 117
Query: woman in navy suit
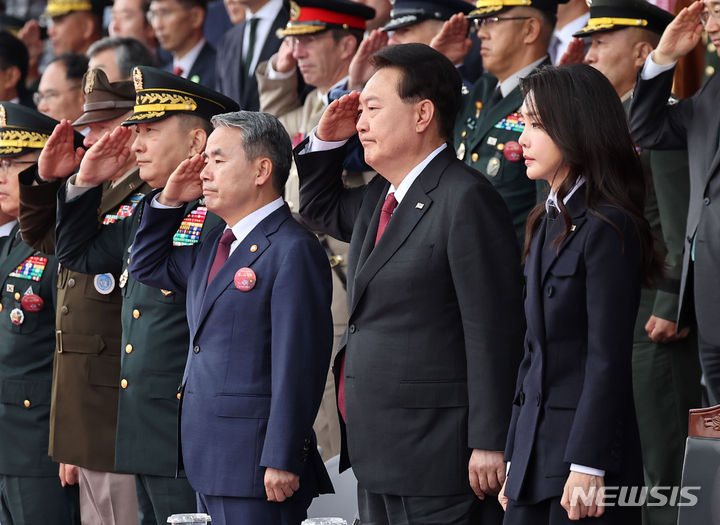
x: 588, y: 249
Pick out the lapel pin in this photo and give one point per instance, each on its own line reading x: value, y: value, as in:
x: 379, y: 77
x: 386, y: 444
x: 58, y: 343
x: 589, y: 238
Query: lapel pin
x: 166, y: 293
x: 245, y: 279
x: 419, y: 206
x: 253, y: 248
x: 572, y: 228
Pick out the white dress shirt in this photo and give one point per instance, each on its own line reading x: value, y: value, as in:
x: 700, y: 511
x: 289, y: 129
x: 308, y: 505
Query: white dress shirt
x: 187, y: 61
x: 266, y: 15
x: 6, y: 228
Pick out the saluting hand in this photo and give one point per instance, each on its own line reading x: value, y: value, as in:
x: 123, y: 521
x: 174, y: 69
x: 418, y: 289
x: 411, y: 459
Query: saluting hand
x: 452, y: 40
x: 283, y: 61
x: 184, y: 184
x: 103, y: 160
x: 280, y: 484
x: 59, y: 158
x: 339, y: 119
x: 575, y: 53
x: 680, y: 36
x: 360, y: 67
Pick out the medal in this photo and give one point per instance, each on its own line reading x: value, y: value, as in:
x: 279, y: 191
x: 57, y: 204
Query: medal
x: 245, y: 279
x: 104, y: 283
x: 493, y: 167
x: 17, y: 316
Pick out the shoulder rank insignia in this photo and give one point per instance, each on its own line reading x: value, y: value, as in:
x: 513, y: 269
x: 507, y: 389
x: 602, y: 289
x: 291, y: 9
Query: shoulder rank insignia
x: 125, y: 210
x: 31, y: 268
x: 190, y: 228
x: 513, y: 122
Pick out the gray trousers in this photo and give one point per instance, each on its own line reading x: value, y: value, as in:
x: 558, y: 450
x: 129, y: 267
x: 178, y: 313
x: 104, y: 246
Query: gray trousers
x: 107, y: 498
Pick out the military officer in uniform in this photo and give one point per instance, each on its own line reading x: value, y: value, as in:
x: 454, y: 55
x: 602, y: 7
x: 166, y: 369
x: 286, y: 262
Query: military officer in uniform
x: 666, y: 367
x: 418, y: 21
x: 83, y: 412
x: 514, y: 43
x: 30, y: 492
x: 170, y: 122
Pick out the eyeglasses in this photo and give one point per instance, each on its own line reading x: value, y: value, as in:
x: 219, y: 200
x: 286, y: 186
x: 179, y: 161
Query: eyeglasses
x: 491, y: 20
x: 51, y: 94
x: 6, y: 164
x: 711, y: 11
x: 156, y: 14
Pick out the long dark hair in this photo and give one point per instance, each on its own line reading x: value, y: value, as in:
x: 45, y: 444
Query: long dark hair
x: 581, y: 112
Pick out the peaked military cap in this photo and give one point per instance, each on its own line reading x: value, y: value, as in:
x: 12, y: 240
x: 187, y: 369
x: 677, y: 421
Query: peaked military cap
x: 606, y: 15
x: 314, y: 16
x: 160, y: 94
x: 104, y: 100
x: 486, y: 8
x: 24, y: 130
x: 410, y: 12
x: 64, y: 7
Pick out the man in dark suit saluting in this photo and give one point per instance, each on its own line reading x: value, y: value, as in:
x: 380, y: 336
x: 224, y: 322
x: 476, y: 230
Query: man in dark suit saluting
x: 425, y: 368
x: 258, y: 305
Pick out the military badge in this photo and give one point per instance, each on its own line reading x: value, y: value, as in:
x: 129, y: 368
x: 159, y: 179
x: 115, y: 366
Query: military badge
x: 493, y: 167
x: 461, y: 151
x: 137, y: 79
x: 512, y: 122
x: 3, y: 117
x: 123, y: 278
x: 17, y: 317
x: 125, y: 210
x: 294, y: 11
x: 104, y: 283
x: 90, y: 81
x: 190, y: 227
x: 31, y: 268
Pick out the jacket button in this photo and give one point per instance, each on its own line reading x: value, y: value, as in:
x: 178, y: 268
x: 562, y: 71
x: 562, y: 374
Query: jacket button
x: 17, y: 296
x: 26, y: 403
x: 64, y: 310
x: 550, y: 291
x: 71, y: 283
x: 706, y: 201
x: 136, y: 314
x: 124, y: 383
x: 537, y: 398
x: 353, y: 329
x: 179, y: 395
x: 196, y: 349
x: 128, y: 348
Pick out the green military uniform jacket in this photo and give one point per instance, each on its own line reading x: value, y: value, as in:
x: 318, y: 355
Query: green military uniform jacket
x: 482, y: 136
x: 26, y: 355
x: 155, y: 336
x: 86, y: 371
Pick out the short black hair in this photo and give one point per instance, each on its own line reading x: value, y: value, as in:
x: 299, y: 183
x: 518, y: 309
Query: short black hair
x: 129, y: 52
x: 426, y: 74
x: 75, y: 64
x: 13, y: 53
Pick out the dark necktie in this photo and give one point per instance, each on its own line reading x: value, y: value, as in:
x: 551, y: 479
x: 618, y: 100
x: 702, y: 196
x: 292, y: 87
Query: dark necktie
x: 387, y: 210
x: 222, y: 253
x: 495, y: 98
x: 253, y: 22
x: 178, y: 71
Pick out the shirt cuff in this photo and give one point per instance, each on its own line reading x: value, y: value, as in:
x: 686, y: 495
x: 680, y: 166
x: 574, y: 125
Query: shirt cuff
x: 651, y: 69
x: 507, y: 467
x: 159, y: 205
x: 73, y: 192
x: 315, y: 145
x: 587, y: 470
x: 275, y: 75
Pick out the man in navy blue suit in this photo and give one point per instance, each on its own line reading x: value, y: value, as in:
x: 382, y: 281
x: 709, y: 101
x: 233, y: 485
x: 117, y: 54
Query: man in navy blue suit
x: 258, y: 301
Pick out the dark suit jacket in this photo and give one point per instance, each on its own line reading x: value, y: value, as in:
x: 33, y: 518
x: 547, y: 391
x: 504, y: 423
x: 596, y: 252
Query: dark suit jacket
x: 435, y: 329
x: 83, y: 414
x: 691, y: 124
x: 574, y: 399
x: 258, y: 360
x: 229, y: 79
x: 203, y: 67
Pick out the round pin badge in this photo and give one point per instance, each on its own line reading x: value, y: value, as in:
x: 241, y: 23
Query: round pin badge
x: 32, y: 303
x: 245, y: 279
x: 512, y: 151
x: 17, y: 316
x: 104, y: 283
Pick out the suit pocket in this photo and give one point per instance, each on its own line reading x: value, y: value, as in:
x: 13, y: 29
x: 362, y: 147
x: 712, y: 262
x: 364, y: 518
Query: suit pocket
x: 432, y: 394
x: 242, y: 406
x: 557, y: 425
x: 79, y: 344
x: 104, y: 371
x: 25, y: 393
x: 566, y: 264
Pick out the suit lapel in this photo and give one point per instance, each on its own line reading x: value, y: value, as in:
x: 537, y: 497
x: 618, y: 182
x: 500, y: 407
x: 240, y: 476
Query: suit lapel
x: 241, y: 257
x: 12, y: 257
x: 533, y: 269
x: 577, y: 210
x: 113, y: 197
x: 496, y: 113
x: 412, y: 208
x: 713, y: 145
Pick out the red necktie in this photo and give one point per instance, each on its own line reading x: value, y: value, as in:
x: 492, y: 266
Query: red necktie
x: 177, y: 70
x: 387, y: 210
x: 222, y: 253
